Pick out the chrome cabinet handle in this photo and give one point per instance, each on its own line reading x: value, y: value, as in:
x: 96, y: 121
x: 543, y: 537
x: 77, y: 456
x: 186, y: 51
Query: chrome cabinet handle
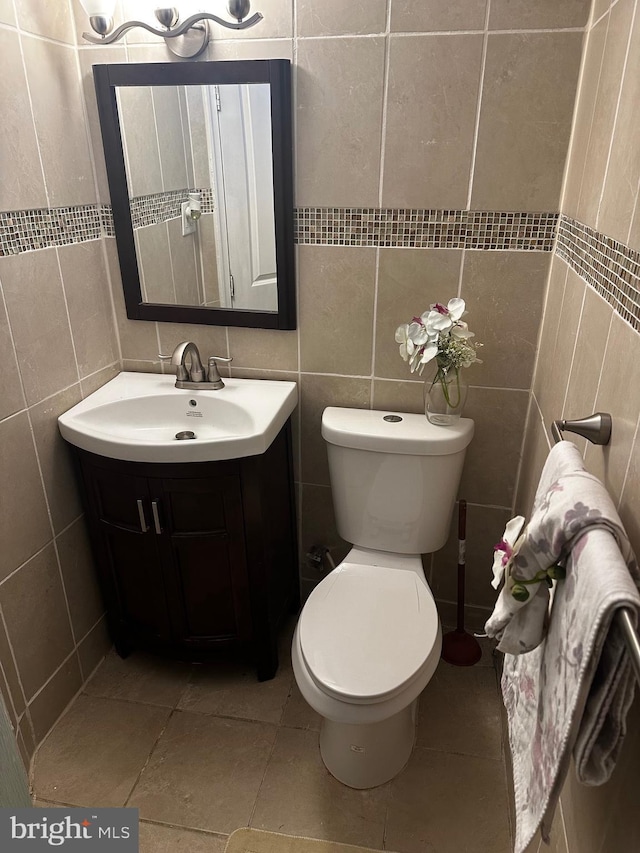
x: 156, y: 516
x: 143, y: 521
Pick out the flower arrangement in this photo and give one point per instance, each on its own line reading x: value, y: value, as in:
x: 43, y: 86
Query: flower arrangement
x: 440, y: 334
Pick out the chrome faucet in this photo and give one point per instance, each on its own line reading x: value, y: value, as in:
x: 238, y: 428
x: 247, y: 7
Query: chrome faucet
x: 194, y: 376
x: 180, y: 353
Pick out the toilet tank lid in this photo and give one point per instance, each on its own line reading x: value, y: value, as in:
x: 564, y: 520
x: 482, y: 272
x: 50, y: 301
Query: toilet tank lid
x: 366, y: 429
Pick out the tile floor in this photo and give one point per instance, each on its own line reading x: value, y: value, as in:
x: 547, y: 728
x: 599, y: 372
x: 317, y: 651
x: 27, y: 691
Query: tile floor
x: 204, y: 750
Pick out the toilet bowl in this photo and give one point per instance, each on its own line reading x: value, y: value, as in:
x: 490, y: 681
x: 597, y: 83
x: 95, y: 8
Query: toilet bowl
x: 368, y: 639
x: 367, y: 692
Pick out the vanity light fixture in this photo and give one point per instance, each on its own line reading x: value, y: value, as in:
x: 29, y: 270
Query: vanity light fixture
x: 187, y: 39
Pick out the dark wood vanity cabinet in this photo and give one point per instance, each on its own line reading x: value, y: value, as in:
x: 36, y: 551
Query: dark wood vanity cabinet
x: 195, y: 558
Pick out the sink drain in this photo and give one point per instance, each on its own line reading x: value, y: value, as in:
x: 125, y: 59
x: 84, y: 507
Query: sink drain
x: 186, y: 434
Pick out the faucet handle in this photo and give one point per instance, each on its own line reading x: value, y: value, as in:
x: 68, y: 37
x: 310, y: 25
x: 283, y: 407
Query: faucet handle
x: 212, y: 374
x: 181, y: 370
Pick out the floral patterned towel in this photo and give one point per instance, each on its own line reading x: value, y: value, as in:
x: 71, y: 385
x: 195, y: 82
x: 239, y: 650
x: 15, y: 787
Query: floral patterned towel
x: 569, y: 502
x: 572, y: 692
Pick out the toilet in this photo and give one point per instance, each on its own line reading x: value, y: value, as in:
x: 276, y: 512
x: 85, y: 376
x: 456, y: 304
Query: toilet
x: 368, y: 639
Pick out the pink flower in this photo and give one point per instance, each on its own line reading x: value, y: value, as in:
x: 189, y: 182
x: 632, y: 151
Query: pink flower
x: 505, y: 548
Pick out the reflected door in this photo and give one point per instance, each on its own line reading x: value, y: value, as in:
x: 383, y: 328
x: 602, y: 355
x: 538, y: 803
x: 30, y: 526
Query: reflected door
x: 243, y: 184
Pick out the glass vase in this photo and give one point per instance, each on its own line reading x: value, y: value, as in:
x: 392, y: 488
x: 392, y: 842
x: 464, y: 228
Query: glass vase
x: 445, y: 396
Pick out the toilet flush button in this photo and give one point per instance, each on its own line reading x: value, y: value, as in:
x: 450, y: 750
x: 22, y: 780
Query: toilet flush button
x: 393, y: 419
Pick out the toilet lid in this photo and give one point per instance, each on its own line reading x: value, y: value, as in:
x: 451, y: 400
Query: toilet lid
x: 366, y: 632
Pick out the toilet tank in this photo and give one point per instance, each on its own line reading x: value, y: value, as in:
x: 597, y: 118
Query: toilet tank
x: 394, y: 477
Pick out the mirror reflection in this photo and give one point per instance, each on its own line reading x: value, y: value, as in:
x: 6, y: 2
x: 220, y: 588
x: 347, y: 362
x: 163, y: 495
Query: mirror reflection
x: 199, y: 172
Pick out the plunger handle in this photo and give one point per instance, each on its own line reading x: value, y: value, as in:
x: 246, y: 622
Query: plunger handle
x: 462, y: 541
x: 458, y: 647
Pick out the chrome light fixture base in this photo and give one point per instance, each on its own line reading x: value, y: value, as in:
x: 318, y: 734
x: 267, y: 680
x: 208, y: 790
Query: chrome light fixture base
x: 191, y: 43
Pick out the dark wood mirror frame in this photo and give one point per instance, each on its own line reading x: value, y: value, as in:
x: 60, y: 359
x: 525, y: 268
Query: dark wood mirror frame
x: 277, y: 74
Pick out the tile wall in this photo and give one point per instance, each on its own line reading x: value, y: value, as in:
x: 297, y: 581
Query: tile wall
x: 589, y: 351
x: 59, y: 343
x: 399, y: 105
x: 415, y: 95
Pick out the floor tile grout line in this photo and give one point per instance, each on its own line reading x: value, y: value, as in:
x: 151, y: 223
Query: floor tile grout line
x: 63, y: 803
x: 146, y: 763
x: 98, y: 695
x: 284, y: 705
x: 264, y: 775
x: 178, y: 826
x: 187, y: 685
x: 176, y: 707
x: 227, y: 717
x: 390, y: 784
x: 457, y: 752
x: 209, y: 832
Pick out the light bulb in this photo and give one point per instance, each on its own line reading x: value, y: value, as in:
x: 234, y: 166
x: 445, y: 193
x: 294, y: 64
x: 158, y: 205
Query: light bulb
x: 99, y: 8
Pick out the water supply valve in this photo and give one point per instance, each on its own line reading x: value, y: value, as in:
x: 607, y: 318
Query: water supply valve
x: 316, y: 557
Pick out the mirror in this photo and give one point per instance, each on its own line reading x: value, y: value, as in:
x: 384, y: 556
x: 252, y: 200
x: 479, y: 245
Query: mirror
x: 199, y: 166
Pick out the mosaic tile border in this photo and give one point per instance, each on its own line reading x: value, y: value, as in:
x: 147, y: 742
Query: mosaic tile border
x: 28, y: 230
x: 44, y: 227
x: 160, y: 207
x: 106, y: 218
x: 425, y: 229
x: 610, y: 267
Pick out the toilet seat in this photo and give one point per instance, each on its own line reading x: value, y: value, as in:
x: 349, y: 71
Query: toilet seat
x: 393, y: 609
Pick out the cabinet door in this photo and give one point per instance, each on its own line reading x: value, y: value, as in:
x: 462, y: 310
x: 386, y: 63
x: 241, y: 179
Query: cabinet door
x: 127, y: 552
x: 205, y: 566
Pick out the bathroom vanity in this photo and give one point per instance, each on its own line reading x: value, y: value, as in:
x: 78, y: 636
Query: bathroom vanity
x: 194, y: 557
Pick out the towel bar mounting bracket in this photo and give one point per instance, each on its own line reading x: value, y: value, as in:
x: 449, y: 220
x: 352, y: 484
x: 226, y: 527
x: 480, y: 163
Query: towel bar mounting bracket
x: 596, y: 428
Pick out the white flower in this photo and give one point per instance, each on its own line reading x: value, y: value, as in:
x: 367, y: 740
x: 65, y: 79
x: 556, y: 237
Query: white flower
x: 441, y: 318
x: 456, y: 308
x: 418, y: 334
x: 505, y: 548
x: 440, y: 333
x: 461, y: 330
x: 406, y: 344
x: 437, y: 321
x: 428, y: 352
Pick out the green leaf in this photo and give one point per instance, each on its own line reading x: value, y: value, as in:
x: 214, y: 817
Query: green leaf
x: 519, y: 592
x: 558, y: 573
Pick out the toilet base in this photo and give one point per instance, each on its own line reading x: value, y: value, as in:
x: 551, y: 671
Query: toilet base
x: 369, y: 754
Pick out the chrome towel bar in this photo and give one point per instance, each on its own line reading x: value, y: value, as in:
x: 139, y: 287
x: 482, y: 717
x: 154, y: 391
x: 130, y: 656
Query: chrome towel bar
x: 597, y: 429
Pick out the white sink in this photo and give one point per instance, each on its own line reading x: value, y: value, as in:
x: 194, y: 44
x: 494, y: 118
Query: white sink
x: 137, y: 416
